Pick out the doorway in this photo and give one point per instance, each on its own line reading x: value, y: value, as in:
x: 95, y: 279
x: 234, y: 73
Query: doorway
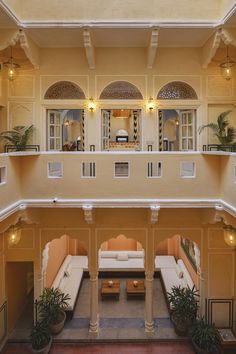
x: 121, y: 129
x: 20, y: 298
x: 177, y: 130
x: 65, y: 129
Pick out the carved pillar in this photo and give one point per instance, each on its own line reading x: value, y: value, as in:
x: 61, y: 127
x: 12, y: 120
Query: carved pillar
x: 93, y: 271
x: 93, y: 326
x: 149, y: 272
x: 149, y: 324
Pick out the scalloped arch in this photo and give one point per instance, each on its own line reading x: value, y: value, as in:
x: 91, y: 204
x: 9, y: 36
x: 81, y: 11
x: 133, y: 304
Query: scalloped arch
x: 121, y: 90
x: 177, y: 90
x: 63, y: 90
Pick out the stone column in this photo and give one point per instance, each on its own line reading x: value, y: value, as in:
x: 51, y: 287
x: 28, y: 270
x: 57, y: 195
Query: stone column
x: 93, y: 272
x: 149, y: 324
x: 93, y: 326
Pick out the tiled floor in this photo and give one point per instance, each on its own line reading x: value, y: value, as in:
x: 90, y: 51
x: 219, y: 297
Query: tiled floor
x: 151, y: 348
x: 118, y: 320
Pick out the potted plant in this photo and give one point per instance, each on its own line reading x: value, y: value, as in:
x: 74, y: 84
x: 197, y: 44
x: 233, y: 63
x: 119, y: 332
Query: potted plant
x: 19, y: 136
x: 222, y: 130
x: 41, y: 338
x: 183, y: 306
x: 204, y: 337
x: 51, y: 305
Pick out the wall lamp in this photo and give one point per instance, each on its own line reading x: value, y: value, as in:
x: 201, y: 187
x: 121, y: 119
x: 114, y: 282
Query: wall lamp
x: 14, y: 235
x: 91, y: 105
x: 151, y: 104
x: 230, y: 235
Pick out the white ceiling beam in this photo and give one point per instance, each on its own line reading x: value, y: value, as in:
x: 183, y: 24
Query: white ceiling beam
x: 89, y: 49
x: 228, y: 37
x: 152, y: 48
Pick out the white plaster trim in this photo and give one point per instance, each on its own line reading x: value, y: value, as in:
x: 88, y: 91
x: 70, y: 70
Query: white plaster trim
x: 116, y: 203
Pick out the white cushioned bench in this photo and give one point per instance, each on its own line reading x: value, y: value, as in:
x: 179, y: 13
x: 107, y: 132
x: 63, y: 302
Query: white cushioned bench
x: 172, y: 273
x: 121, y: 260
x: 69, y: 277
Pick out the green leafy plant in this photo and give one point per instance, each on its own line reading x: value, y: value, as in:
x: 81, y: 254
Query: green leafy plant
x: 222, y: 130
x: 184, y: 307
x: 204, y: 337
x: 51, y: 304
x: 40, y: 335
x: 18, y: 136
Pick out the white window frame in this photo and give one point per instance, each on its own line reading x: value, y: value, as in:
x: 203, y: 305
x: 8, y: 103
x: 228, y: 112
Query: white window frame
x: 88, y: 162
x: 54, y: 177
x: 156, y: 166
x: 127, y: 162
x: 194, y: 169
x: 4, y: 179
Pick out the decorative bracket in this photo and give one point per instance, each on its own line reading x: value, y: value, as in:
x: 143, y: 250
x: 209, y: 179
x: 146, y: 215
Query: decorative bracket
x: 88, y: 213
x: 154, y: 213
x: 152, y: 48
x: 89, y: 48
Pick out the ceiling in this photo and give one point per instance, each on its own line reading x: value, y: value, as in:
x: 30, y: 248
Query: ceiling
x: 128, y: 36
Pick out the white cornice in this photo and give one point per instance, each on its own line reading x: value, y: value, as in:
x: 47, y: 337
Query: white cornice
x: 117, y: 24
x: 116, y: 203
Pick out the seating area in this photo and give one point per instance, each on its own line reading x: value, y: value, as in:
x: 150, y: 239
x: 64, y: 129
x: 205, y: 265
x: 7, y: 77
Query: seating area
x: 173, y: 273
x: 69, y: 278
x: 121, y: 260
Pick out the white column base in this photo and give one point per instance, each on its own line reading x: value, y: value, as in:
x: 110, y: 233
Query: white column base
x: 93, y: 326
x: 149, y: 327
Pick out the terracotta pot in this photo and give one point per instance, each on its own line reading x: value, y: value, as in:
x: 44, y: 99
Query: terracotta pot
x: 56, y: 328
x: 44, y: 350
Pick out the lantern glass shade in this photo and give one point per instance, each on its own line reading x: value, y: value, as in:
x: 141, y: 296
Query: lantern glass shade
x: 151, y: 104
x: 230, y: 236
x: 227, y: 66
x: 14, y: 236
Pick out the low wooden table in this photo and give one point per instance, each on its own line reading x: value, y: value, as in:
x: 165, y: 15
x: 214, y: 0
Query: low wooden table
x: 110, y: 289
x: 135, y: 289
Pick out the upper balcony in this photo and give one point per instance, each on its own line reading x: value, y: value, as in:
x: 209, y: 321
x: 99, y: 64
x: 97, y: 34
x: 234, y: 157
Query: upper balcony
x: 118, y: 179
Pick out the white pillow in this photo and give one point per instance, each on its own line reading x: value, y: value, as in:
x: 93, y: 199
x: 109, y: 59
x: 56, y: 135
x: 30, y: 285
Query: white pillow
x: 122, y: 257
x: 69, y: 269
x: 178, y: 271
x: 108, y: 254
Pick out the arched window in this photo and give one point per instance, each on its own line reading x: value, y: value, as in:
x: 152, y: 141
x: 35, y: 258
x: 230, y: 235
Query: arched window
x: 121, y: 90
x: 177, y: 90
x: 63, y: 90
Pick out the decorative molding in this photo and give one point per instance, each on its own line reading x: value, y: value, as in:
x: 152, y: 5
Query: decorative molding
x: 210, y: 47
x: 88, y: 213
x: 89, y: 49
x: 154, y: 213
x: 152, y: 48
x: 116, y: 203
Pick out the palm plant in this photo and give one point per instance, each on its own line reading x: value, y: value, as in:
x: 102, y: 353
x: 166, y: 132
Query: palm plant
x: 184, y: 307
x: 222, y: 130
x: 204, y: 337
x: 40, y: 336
x: 51, y: 304
x: 19, y: 136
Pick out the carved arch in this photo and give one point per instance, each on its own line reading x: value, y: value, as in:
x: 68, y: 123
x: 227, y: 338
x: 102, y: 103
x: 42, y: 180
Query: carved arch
x: 177, y: 90
x: 121, y: 90
x: 63, y: 90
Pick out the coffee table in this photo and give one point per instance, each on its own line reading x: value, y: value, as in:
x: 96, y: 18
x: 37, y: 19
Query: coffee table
x: 135, y: 289
x: 110, y: 289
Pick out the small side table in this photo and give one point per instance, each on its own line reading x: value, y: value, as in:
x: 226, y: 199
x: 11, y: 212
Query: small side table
x: 227, y: 340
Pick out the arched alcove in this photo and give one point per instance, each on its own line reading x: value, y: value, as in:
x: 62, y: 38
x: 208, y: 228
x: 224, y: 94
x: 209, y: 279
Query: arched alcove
x: 177, y: 90
x: 54, y: 254
x: 121, y: 90
x: 63, y: 90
